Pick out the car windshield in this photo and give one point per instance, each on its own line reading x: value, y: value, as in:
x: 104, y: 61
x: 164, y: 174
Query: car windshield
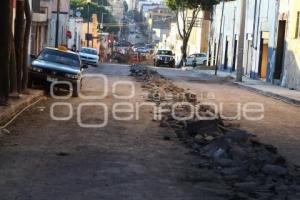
x: 89, y: 51
x: 60, y: 57
x: 164, y: 52
x: 150, y: 46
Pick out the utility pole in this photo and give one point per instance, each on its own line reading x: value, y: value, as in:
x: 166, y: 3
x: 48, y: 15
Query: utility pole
x: 102, y: 15
x: 240, y: 60
x: 57, y: 23
x: 218, y: 52
x: 88, y: 25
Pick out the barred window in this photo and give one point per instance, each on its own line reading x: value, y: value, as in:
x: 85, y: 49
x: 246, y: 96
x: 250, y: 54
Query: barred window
x: 298, y: 26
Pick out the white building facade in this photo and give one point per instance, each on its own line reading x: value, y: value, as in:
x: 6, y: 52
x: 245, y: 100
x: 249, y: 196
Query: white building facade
x: 259, y: 39
x: 63, y: 22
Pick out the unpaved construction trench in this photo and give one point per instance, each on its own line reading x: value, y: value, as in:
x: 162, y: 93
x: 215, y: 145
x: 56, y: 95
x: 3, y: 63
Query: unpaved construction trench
x: 41, y: 158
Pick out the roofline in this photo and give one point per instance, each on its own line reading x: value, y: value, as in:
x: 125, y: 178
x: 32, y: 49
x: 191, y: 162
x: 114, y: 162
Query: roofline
x: 56, y: 49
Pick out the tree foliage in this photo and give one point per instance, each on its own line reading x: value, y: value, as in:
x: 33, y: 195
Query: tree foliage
x: 125, y: 6
x: 191, y: 4
x: 96, y: 7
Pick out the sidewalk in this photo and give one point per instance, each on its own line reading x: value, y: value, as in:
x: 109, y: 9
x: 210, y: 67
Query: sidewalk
x: 17, y: 105
x: 261, y: 87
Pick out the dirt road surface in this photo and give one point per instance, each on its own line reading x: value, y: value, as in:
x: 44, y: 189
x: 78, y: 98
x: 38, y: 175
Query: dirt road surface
x: 280, y: 126
x: 44, y: 159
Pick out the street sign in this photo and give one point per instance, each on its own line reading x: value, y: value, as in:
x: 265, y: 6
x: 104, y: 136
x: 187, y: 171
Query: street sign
x: 78, y: 13
x: 69, y: 34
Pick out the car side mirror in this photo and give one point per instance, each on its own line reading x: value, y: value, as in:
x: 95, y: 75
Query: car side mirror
x: 33, y: 57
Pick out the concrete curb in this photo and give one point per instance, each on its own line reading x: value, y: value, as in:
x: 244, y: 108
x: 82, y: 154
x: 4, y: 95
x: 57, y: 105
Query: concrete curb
x: 269, y: 94
x: 7, y: 113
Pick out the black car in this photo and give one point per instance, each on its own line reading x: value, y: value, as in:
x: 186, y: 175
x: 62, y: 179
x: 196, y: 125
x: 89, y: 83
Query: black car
x: 57, y: 65
x: 164, y: 58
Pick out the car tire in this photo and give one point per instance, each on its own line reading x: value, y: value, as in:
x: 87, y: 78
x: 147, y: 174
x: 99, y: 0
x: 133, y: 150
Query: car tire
x: 75, y: 92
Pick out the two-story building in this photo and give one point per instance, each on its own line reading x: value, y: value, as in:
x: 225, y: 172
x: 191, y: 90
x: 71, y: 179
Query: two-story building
x: 271, y: 40
x: 39, y: 27
x: 64, y: 11
x: 288, y: 69
x: 44, y: 19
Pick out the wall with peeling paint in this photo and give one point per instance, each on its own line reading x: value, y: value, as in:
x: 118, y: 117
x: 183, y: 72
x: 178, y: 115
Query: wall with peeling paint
x: 291, y: 73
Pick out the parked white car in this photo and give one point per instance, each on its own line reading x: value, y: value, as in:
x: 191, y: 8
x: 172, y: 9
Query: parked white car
x: 200, y: 58
x: 89, y: 56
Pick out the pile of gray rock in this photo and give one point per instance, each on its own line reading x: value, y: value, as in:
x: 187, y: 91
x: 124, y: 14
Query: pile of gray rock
x: 253, y: 170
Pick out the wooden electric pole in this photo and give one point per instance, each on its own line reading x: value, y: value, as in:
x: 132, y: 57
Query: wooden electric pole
x: 240, y: 59
x: 57, y: 23
x: 220, y: 33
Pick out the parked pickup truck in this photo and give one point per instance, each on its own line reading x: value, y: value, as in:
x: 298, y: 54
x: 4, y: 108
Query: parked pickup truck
x: 164, y: 57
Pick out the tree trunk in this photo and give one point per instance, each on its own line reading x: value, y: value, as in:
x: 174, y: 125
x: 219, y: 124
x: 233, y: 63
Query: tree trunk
x: 13, y: 68
x: 6, y: 29
x: 19, y: 41
x: 187, y: 30
x: 184, y: 50
x: 25, y: 45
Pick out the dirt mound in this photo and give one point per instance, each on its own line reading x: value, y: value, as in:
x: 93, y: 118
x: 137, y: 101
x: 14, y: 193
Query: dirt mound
x: 252, y: 169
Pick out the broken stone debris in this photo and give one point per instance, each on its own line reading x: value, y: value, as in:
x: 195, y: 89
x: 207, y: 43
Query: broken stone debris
x: 253, y: 170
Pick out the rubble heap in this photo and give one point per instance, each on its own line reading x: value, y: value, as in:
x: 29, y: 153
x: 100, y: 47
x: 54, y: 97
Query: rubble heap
x: 253, y: 170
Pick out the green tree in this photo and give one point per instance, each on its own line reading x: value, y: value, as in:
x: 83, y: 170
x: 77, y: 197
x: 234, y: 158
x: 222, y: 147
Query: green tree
x: 96, y: 6
x: 185, y: 23
x: 125, y: 6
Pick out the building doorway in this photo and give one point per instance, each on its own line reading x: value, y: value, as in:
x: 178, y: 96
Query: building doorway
x: 263, y: 60
x: 209, y: 53
x: 226, y: 55
x: 280, y: 49
x: 234, y: 55
x: 215, y: 54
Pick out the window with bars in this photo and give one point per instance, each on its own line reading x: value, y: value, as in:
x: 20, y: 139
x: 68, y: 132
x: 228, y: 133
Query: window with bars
x: 298, y: 26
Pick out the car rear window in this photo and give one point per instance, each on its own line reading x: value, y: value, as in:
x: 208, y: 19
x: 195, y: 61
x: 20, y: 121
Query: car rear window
x: 60, y: 57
